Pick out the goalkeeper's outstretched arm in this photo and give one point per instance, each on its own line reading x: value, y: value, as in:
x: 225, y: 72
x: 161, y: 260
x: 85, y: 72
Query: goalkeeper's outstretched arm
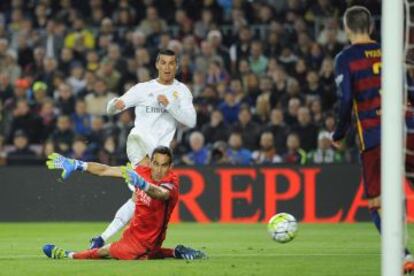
x: 103, y: 170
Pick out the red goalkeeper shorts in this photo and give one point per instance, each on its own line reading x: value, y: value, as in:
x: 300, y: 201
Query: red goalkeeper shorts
x: 371, y: 171
x: 128, y: 249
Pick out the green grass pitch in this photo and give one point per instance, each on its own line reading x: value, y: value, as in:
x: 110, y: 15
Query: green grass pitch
x: 233, y: 249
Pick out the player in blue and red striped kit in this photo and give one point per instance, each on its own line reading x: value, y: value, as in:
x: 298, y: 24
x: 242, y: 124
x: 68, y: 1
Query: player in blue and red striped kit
x: 358, y: 78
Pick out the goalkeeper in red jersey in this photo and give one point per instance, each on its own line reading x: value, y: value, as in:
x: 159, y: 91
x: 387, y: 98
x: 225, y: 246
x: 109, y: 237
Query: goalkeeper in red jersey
x: 358, y: 77
x: 156, y: 197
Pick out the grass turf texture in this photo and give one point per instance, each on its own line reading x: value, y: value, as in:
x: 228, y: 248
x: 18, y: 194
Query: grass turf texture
x: 235, y: 249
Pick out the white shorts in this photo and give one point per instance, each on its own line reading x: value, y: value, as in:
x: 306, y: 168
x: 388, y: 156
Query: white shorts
x: 136, y: 149
x: 140, y: 145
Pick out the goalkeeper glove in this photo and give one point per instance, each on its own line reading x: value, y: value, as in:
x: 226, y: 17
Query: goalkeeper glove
x: 67, y: 165
x: 131, y: 177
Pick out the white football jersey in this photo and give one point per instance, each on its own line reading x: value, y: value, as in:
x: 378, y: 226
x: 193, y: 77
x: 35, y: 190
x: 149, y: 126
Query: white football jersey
x: 155, y: 124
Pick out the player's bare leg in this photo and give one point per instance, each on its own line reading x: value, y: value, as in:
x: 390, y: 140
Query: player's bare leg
x: 122, y: 216
x: 54, y: 252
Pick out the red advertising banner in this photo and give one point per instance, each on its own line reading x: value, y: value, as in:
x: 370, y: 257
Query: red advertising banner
x: 313, y: 194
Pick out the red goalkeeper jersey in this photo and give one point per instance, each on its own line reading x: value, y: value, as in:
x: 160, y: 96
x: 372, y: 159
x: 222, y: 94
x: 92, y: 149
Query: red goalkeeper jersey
x: 149, y: 225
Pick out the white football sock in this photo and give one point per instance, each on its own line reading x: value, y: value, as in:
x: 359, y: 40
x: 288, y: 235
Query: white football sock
x: 122, y: 217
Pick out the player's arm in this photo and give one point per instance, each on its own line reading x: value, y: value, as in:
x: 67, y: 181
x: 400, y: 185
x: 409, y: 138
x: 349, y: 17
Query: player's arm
x: 183, y: 110
x: 131, y: 98
x: 156, y: 192
x: 68, y: 166
x: 103, y: 170
x: 343, y: 82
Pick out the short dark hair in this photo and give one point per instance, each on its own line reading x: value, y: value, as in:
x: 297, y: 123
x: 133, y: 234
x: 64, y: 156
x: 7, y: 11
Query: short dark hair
x: 358, y: 19
x: 166, y: 52
x: 163, y: 150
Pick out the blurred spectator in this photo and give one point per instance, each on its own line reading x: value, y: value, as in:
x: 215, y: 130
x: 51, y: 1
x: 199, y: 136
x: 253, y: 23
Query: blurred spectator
x: 313, y: 90
x: 10, y: 66
x: 206, y: 56
x: 21, y: 154
x: 81, y: 119
x: 39, y: 89
x: 240, y: 49
x: 114, y: 57
x: 80, y: 149
x: 25, y: 53
x: 293, y: 90
x: 108, y: 154
x: 122, y: 128
x: 77, y: 78
x: 48, y: 74
x: 329, y: 123
x: 90, y: 79
x: 324, y: 153
x: 97, y: 134
x: 20, y: 93
x: 216, y: 39
x: 66, y: 58
x: 205, y: 23
x: 219, y: 154
x: 48, y: 148
x: 109, y: 74
x: 236, y: 87
x: 96, y: 102
x: 199, y: 154
x: 216, y: 73
x: 24, y: 119
x: 48, y: 116
x: 327, y: 82
x: 258, y: 62
x: 52, y: 39
x: 80, y: 38
x: 229, y: 108
x: 306, y: 130
x: 291, y: 116
x: 6, y: 89
x: 216, y: 129
x: 278, y: 128
x: 294, y: 154
x: 65, y: 99
x: 236, y: 153
x: 317, y: 114
x: 152, y: 24
x: 63, y: 135
x: 267, y: 154
x: 3, y: 153
x: 263, y: 103
x: 249, y: 129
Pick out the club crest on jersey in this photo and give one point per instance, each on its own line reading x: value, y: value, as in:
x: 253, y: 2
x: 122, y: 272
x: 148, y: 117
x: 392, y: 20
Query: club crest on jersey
x: 175, y: 95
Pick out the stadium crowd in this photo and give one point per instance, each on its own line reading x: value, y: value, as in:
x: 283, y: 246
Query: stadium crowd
x: 261, y: 74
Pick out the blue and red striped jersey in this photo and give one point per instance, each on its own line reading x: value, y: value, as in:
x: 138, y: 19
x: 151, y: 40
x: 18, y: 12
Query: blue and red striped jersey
x: 409, y: 115
x: 358, y: 78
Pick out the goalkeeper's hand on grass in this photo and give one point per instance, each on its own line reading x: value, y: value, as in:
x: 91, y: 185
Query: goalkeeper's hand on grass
x: 131, y: 177
x: 68, y: 166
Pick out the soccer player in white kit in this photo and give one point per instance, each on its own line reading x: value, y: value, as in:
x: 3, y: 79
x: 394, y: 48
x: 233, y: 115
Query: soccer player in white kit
x: 160, y: 104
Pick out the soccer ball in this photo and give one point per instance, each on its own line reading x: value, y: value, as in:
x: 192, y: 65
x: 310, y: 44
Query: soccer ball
x: 282, y: 227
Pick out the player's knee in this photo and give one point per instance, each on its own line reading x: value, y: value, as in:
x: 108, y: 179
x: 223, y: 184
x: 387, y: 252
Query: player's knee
x: 103, y: 252
x: 374, y: 203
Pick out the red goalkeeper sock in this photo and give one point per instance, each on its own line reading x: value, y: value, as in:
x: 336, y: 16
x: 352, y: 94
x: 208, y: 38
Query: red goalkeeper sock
x: 162, y: 253
x: 167, y: 252
x: 87, y: 254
